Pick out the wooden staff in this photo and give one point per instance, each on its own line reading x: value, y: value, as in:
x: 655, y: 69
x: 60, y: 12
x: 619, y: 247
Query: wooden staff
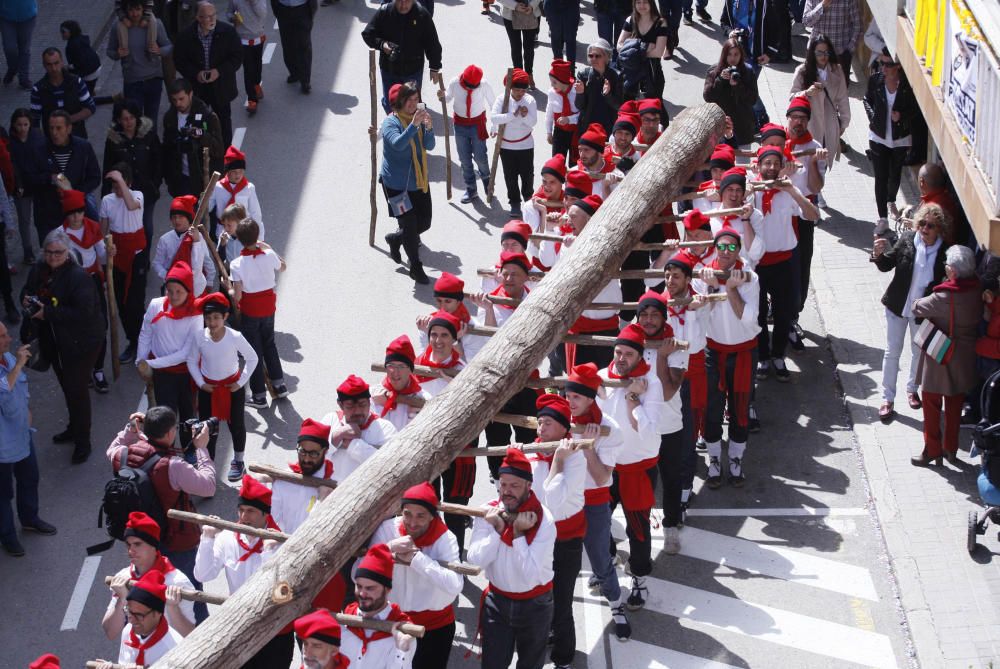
x: 622, y: 274
x: 715, y: 213
x: 545, y: 447
x: 684, y: 197
x: 531, y: 423
x: 639, y: 146
x: 150, y: 394
x: 583, y: 340
x: 500, y: 131
x: 378, y: 625
x: 642, y: 246
x: 421, y: 370
x: 246, y: 530
x: 279, y: 474
x: 616, y: 306
x: 205, y: 164
x: 94, y: 664
x: 447, y: 135
x: 548, y: 203
x: 752, y: 153
x: 186, y: 594
x: 109, y: 279
x: 374, y: 141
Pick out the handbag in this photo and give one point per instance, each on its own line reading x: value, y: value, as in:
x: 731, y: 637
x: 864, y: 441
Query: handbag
x: 522, y: 21
x: 935, y: 343
x: 400, y: 204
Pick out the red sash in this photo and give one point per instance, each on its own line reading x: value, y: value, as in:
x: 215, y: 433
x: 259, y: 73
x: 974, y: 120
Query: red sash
x: 635, y: 490
x: 127, y: 245
x: 222, y: 397
x: 261, y: 304
x: 133, y: 640
x: 395, y: 615
x: 698, y: 388
x: 574, y: 527
x: 742, y: 374
x: 433, y: 620
x: 231, y: 189
x: 478, y: 122
x: 392, y: 395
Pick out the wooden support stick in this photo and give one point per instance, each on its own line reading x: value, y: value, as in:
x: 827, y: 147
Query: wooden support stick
x: 423, y: 371
x: 584, y: 340
x: 94, y: 664
x: 378, y: 625
x: 206, y: 164
x: 549, y: 203
x: 374, y: 141
x: 531, y: 423
x: 560, y: 381
x: 109, y: 279
x: 186, y: 594
x: 642, y: 246
x: 540, y: 447
x: 246, y: 530
x: 714, y: 213
x: 461, y: 509
x: 684, y: 197
x: 280, y: 474
x: 447, y: 135
x: 500, y: 132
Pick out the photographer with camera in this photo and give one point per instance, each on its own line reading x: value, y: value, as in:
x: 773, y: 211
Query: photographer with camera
x: 62, y: 312
x: 188, y: 127
x: 154, y: 434
x: 731, y: 84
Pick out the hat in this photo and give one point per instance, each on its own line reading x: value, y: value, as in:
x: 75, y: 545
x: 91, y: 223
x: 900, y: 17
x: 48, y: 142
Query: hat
x: 651, y: 106
x: 353, y: 388
x: 184, y: 205
x: 519, y: 259
x: 727, y: 231
x: 72, y: 201
x: 448, y: 321
x: 682, y: 260
x: 578, y: 184
x: 584, y: 380
x: 562, y: 71
x: 695, y: 220
x: 450, y: 286
x: 213, y: 303
x: 143, y: 527
x: 401, y: 350
x: 516, y: 463
x: 422, y: 494
x: 734, y: 175
x: 773, y: 130
x: 180, y: 272
x: 376, y: 565
x: 394, y: 93
x: 472, y: 76
x: 556, y: 166
x: 723, y: 157
x: 518, y: 231
x: 652, y: 299
x: 590, y: 204
x: 521, y: 79
x: 632, y: 335
x: 594, y: 136
x: 256, y: 494
x: 555, y: 407
x: 320, y: 625
x: 150, y: 590
x: 313, y: 430
x: 234, y: 159
x: 768, y: 150
x: 799, y: 103
x: 47, y: 661
x: 627, y: 121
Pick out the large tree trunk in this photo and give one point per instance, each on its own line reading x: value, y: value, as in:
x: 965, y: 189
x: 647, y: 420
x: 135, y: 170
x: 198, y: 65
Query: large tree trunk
x: 283, y: 588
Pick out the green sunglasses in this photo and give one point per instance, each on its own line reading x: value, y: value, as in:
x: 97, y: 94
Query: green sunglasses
x: 731, y: 247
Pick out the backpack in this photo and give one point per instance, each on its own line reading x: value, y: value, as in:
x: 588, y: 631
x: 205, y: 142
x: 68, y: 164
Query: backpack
x: 131, y: 489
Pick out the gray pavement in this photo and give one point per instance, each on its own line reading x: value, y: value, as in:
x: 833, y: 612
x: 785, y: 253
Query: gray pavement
x: 834, y: 551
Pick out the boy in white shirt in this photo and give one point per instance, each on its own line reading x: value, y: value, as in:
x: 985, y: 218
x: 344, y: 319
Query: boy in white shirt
x: 517, y: 153
x: 472, y: 99
x: 184, y: 243
x: 235, y: 188
x: 561, y: 114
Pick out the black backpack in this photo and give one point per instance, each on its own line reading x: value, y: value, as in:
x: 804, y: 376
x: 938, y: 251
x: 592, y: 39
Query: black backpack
x: 131, y: 489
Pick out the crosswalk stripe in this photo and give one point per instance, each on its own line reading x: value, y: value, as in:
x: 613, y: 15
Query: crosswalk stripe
x: 268, y: 53
x: 625, y: 654
x: 789, y: 511
x: 238, y: 136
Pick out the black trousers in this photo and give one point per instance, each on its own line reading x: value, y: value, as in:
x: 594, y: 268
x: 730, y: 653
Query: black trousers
x: 209, y: 94
x: 671, y: 466
x: 103, y: 297
x: 73, y: 373
x: 521, y: 624
x: 277, y: 653
x: 567, y: 558
x: 132, y: 303
x: 599, y: 355
x: 689, y: 454
x: 236, y: 422
x: 522, y: 46
x: 253, y: 68
x: 804, y: 256
x: 295, y: 28
x: 640, y: 548
x: 778, y: 282
x: 414, y: 222
x: 434, y: 648
x: 174, y: 391
x: 498, y: 434
x: 562, y: 142
x: 719, y: 401
x: 888, y: 166
x: 518, y: 166
x: 259, y: 333
x: 455, y: 487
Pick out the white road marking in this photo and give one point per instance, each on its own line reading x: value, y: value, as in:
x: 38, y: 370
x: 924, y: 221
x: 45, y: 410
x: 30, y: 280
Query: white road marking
x: 268, y: 52
x: 625, y: 654
x: 778, y: 562
x: 276, y: 24
x: 143, y: 403
x: 791, y: 511
x: 238, y: 136
x: 767, y: 623
x: 593, y: 619
x: 80, y: 593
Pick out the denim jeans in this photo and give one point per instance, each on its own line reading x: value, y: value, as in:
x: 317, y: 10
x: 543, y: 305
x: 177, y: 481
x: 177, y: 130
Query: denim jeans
x: 389, y: 79
x: 470, y: 148
x: 596, y: 543
x: 17, y: 47
x: 894, y: 339
x: 515, y: 624
x: 147, y: 95
x: 184, y: 562
x: 259, y: 332
x: 563, y: 26
x: 25, y: 472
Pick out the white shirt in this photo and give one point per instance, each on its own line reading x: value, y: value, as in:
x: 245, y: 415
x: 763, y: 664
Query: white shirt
x: 800, y: 178
x: 517, y: 133
x: 520, y: 566
x: 401, y: 414
x: 692, y: 330
x: 201, y: 264
x: 120, y: 219
x: 670, y: 412
x: 256, y: 273
x: 173, y: 577
x: 218, y: 360
x: 346, y: 460
x: 381, y: 654
x: 423, y: 585
x: 291, y: 503
x: 554, y: 106
x: 168, y: 339
x: 247, y: 196
x: 88, y: 256
x: 223, y: 552
x: 722, y: 325
x: 777, y: 232
x: 482, y: 98
x: 890, y: 99
x: 561, y: 493
x: 751, y: 254
x: 153, y: 653
x: 644, y: 443
x: 434, y: 387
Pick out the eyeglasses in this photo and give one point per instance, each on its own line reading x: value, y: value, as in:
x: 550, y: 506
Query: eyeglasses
x: 926, y: 224
x: 822, y: 52
x: 594, y: 55
x: 137, y: 616
x: 889, y: 63
x: 315, y: 455
x: 54, y: 253
x: 732, y: 248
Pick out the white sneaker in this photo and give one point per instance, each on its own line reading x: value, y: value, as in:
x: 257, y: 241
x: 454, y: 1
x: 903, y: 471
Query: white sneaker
x: 671, y: 541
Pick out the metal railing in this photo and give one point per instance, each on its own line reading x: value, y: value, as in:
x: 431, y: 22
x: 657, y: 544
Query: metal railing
x: 986, y: 147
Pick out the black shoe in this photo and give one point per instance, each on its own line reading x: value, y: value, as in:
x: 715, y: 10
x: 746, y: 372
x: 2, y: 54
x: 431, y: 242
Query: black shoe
x: 795, y: 341
x: 7, y: 78
x: 703, y: 14
x: 13, y: 316
x: 63, y: 437
x: 306, y: 88
x: 753, y: 423
x: 689, y: 18
x: 395, y: 242
x: 292, y: 79
x: 40, y: 526
x: 281, y: 391
x: 100, y: 383
x: 128, y: 355
x: 236, y: 470
x: 516, y: 215
x: 13, y: 547
x: 417, y: 273
x: 470, y: 196
x: 80, y: 454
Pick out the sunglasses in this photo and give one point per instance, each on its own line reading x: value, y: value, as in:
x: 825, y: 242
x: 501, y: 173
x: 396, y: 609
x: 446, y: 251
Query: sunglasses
x: 595, y: 55
x: 925, y: 224
x: 731, y: 247
x: 889, y: 63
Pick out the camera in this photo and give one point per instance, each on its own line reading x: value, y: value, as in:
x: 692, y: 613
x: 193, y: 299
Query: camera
x: 34, y: 306
x: 189, y: 133
x: 191, y: 427
x: 394, y: 53
x: 734, y: 73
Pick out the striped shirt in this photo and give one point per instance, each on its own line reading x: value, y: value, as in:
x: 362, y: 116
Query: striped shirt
x: 40, y: 115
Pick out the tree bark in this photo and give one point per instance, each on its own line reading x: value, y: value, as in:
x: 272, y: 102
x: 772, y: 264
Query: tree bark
x: 425, y: 448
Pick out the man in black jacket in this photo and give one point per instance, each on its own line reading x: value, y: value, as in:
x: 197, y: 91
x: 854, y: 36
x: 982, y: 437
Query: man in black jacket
x: 295, y: 22
x: 59, y: 89
x: 404, y: 33
x: 189, y: 126
x: 208, y: 54
x: 599, y: 89
x: 66, y: 318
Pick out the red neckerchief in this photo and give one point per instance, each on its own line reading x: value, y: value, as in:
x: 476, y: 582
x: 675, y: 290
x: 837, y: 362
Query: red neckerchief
x: 327, y: 468
x: 765, y: 199
x: 610, y: 152
x: 258, y: 546
x: 253, y: 253
x: 184, y: 311
x: 639, y: 370
x: 371, y: 419
x: 540, y: 193
x: 461, y: 313
x: 797, y: 141
x: 566, y: 110
x: 715, y: 265
x: 161, y: 564
x: 339, y: 662
x: 91, y: 234
x: 185, y: 250
x: 500, y: 291
x: 392, y: 395
x: 395, y: 615
x: 478, y: 121
x: 677, y: 313
x: 426, y: 360
x: 231, y: 189
x: 564, y: 229
x: 530, y: 504
x: 593, y: 415
x: 154, y: 638
x: 433, y: 533
x: 957, y: 286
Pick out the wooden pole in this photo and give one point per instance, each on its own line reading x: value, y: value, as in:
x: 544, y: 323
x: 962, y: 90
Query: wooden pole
x: 545, y: 447
x: 279, y: 474
x: 186, y: 594
x: 500, y: 131
x: 206, y: 165
x: 426, y: 447
x: 421, y: 370
x: 544, y: 382
x: 616, y: 306
x: 643, y: 246
x: 374, y: 142
x: 531, y: 423
x: 246, y: 530
x: 536, y: 275
x: 715, y: 213
x: 109, y: 279
x: 378, y: 625
x: 447, y: 135
x: 94, y: 664
x: 584, y: 340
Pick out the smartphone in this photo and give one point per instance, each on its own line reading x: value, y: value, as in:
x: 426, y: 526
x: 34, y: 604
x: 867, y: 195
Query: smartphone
x: 422, y: 106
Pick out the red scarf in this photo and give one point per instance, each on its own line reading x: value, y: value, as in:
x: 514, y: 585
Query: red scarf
x: 531, y: 504
x: 186, y: 310
x: 461, y: 313
x: 426, y: 360
x: 500, y: 291
x: 371, y: 419
x: 434, y: 532
x: 565, y: 111
x: 161, y: 564
x: 91, y: 237
x: 468, y: 119
x: 957, y: 285
x: 231, y: 189
x: 677, y: 313
x: 253, y: 253
x: 593, y: 415
x: 792, y: 142
x: 639, y: 370
x: 184, y: 251
x: 765, y: 199
x: 395, y: 615
x: 715, y: 265
x: 153, y: 639
x: 258, y: 546
x: 327, y: 468
x: 392, y: 395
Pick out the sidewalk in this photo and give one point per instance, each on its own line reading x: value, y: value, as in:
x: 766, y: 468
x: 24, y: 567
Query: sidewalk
x: 951, y: 600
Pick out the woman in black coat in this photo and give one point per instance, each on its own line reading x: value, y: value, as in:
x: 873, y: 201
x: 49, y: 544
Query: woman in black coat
x: 25, y: 144
x: 731, y: 84
x: 132, y: 140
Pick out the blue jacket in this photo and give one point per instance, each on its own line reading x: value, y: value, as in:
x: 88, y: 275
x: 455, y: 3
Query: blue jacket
x: 397, y: 158
x: 15, y: 431
x: 18, y: 11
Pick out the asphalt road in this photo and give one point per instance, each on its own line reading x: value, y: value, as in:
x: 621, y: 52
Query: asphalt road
x: 788, y: 571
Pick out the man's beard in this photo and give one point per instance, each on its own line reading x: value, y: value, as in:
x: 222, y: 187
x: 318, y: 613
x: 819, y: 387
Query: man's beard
x: 311, y: 663
x: 517, y: 505
x: 311, y: 467
x: 375, y: 605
